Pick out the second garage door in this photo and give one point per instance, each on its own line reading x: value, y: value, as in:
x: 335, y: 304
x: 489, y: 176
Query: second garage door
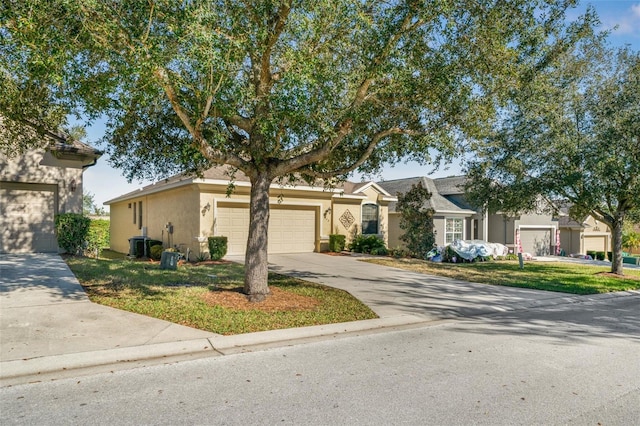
x: 536, y: 241
x: 595, y: 243
x: 27, y: 218
x: 290, y: 230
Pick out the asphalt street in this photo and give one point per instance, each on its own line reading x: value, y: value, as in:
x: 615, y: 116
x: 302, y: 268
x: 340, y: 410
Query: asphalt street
x: 576, y: 363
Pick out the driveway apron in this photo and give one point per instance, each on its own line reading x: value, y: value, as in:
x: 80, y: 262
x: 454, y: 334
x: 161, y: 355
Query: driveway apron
x: 44, y: 312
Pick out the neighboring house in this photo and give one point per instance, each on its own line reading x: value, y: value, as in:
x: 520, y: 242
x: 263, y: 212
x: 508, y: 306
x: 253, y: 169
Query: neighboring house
x: 36, y: 186
x: 454, y: 218
x: 179, y: 210
x: 578, y: 237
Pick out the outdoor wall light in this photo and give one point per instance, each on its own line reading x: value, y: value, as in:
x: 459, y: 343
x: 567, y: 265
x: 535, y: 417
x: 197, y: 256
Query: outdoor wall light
x: 72, y: 185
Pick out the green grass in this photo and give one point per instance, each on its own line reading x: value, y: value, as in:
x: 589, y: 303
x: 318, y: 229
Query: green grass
x: 550, y: 276
x: 179, y: 296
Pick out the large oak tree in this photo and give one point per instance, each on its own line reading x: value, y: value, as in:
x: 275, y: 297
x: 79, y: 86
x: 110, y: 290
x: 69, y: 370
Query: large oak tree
x: 276, y: 89
x: 571, y: 135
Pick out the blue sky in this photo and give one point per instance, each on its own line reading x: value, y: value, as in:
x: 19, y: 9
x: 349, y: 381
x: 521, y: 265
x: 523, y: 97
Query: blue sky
x: 621, y: 17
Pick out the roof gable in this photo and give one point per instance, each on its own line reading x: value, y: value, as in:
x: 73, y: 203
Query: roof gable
x: 437, y: 202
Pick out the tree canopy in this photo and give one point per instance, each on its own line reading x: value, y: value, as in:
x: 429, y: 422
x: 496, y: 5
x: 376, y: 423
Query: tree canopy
x: 275, y: 88
x: 572, y: 135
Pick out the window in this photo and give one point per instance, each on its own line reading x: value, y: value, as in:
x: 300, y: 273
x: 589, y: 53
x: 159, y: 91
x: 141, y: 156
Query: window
x: 453, y: 229
x: 369, y: 219
x: 135, y: 214
x: 139, y: 214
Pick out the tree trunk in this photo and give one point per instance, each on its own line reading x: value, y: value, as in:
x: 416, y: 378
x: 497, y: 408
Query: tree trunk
x: 256, y: 273
x: 616, y: 233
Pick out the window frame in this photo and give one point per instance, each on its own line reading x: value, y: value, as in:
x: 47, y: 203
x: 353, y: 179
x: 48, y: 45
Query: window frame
x: 377, y: 219
x: 454, y: 232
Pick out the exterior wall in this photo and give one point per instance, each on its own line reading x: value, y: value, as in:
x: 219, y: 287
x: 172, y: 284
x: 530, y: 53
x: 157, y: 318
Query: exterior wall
x: 339, y: 210
x: 177, y: 206
x: 395, y: 232
x: 34, y: 188
x: 570, y: 241
x: 43, y: 168
x: 500, y: 230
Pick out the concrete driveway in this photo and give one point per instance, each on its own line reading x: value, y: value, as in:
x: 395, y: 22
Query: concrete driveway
x: 50, y: 329
x: 45, y: 312
x: 394, y: 292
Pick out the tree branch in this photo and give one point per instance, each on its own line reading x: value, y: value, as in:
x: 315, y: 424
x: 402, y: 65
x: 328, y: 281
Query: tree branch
x: 375, y: 140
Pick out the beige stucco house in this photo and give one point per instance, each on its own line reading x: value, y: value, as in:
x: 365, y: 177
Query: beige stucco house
x: 182, y: 211
x: 454, y: 218
x: 589, y: 234
x: 36, y: 186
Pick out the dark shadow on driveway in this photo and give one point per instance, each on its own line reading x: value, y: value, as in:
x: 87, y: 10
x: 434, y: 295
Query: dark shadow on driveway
x: 37, y: 275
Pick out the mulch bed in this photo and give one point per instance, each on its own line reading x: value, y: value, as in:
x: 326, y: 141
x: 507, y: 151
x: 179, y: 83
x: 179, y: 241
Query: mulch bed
x: 279, y: 300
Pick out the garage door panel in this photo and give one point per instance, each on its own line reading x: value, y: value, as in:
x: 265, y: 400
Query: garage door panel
x: 27, y: 220
x: 290, y: 230
x: 595, y: 243
x: 536, y: 241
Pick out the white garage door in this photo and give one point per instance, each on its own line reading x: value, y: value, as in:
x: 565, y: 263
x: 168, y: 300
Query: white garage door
x: 27, y: 218
x: 536, y: 241
x: 290, y: 231
x: 595, y: 243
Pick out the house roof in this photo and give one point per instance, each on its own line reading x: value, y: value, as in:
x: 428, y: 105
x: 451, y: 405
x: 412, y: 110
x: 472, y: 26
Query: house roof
x: 222, y: 175
x: 452, y: 185
x: 437, y: 202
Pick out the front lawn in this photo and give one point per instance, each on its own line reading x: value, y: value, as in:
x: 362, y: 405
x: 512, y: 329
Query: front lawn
x: 206, y: 296
x: 551, y: 276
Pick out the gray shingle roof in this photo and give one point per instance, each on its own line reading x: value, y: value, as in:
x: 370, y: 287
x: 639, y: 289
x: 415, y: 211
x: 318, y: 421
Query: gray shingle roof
x: 450, y: 185
x: 437, y: 202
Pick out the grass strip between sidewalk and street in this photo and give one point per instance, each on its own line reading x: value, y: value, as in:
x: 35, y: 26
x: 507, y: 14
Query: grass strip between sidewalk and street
x: 550, y: 276
x: 207, y: 295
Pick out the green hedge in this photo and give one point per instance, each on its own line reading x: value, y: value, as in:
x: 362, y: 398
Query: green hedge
x: 217, y: 247
x: 597, y: 255
x: 72, y: 230
x: 97, y: 237
x: 337, y: 242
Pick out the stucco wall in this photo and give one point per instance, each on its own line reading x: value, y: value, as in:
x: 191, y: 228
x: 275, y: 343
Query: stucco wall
x: 499, y: 231
x: 339, y: 209
x: 178, y: 206
x: 42, y: 168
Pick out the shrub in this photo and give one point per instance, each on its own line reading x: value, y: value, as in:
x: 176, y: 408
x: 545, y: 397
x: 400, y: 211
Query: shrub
x: 450, y: 255
x: 217, y: 247
x: 71, y: 231
x: 600, y: 255
x: 151, y: 244
x: 591, y: 253
x: 399, y: 252
x: 368, y: 244
x: 337, y: 242
x: 97, y: 236
x: 156, y: 251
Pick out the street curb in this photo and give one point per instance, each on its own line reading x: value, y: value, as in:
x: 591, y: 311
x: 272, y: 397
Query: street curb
x: 58, y: 366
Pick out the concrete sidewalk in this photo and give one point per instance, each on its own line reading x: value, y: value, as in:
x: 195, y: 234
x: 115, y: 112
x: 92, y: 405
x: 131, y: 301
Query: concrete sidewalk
x: 49, y: 329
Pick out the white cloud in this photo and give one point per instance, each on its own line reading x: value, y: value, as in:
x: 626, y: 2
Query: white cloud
x: 629, y: 23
